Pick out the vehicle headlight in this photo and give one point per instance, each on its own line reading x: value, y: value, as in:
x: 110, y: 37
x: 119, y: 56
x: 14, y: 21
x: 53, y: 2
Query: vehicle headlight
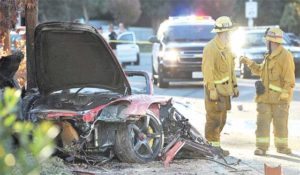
x: 296, y: 55
x: 171, y: 55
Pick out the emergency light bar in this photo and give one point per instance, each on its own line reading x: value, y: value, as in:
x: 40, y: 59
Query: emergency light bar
x: 190, y: 17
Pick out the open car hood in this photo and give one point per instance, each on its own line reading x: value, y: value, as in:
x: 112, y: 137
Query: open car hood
x: 69, y: 55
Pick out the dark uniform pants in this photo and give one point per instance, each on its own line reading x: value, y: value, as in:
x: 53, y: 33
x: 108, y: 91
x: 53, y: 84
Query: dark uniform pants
x: 279, y: 114
x: 216, y: 114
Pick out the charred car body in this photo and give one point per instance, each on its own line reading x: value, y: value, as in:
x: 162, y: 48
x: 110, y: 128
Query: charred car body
x: 8, y: 67
x: 81, y: 87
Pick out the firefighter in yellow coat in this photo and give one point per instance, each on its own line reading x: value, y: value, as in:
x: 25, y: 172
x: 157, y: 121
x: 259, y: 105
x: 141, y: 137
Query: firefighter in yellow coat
x: 274, y: 92
x: 219, y: 81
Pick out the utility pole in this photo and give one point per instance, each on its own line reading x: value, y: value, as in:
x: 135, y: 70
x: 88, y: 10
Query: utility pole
x: 251, y: 12
x: 31, y: 18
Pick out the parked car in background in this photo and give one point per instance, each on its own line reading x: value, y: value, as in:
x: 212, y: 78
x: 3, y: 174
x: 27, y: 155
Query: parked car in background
x: 178, y: 47
x: 250, y: 42
x: 127, y: 52
x: 294, y: 38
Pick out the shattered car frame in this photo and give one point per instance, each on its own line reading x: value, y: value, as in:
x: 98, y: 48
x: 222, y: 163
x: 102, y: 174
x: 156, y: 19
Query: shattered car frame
x: 81, y: 87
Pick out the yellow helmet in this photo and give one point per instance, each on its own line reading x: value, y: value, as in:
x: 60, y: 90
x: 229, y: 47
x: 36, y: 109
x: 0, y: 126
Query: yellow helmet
x: 274, y: 35
x: 223, y: 24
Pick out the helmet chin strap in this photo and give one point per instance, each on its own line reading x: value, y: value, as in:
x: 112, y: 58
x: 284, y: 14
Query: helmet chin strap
x: 269, y: 47
x: 269, y: 42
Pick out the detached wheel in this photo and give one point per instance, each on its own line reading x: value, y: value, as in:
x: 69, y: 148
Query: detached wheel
x: 137, y: 62
x: 140, y: 141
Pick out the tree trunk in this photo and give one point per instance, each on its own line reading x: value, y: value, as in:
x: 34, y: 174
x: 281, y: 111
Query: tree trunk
x: 31, y: 22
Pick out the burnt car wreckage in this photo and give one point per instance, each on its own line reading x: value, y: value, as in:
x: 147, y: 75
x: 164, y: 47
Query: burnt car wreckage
x: 82, y: 88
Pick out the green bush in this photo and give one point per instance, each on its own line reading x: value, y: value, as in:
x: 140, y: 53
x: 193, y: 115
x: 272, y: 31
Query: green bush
x: 35, y: 141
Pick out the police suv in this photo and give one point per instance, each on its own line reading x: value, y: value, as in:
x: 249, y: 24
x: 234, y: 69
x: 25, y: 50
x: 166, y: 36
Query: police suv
x: 178, y: 48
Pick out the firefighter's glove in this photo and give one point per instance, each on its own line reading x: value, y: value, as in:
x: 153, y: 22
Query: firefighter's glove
x: 245, y: 60
x: 213, y: 95
x: 284, y: 96
x: 236, y: 92
x: 260, y: 88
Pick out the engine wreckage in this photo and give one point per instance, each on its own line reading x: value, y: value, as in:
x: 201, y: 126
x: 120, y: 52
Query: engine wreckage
x: 82, y: 88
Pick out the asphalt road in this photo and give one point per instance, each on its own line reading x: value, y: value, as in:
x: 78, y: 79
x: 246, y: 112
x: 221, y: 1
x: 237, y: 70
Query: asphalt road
x: 239, y: 133
x: 195, y: 89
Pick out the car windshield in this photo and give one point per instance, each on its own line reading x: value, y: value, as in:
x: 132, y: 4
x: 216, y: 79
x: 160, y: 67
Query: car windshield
x: 257, y: 40
x: 254, y: 40
x: 187, y: 33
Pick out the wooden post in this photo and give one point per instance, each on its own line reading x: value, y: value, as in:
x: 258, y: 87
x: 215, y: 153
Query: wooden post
x: 31, y: 18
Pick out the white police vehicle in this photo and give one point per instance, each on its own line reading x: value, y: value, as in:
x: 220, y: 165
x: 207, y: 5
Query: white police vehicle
x: 127, y: 49
x: 127, y: 52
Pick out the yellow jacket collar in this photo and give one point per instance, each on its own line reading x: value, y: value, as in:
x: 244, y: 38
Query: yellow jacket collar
x: 276, y: 52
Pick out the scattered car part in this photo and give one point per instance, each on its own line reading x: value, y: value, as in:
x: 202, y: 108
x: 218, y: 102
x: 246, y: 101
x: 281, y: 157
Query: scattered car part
x: 182, y: 135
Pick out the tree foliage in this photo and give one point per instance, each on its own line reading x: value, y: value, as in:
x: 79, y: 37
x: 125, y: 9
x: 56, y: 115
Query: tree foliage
x: 290, y: 20
x: 31, y: 151
x: 126, y: 11
x: 156, y: 10
x: 8, y: 14
x: 9, y: 10
x: 214, y: 8
x: 69, y: 10
x: 269, y: 12
x: 8, y: 18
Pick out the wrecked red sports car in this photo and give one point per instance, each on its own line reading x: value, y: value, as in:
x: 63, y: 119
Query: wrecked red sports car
x: 81, y: 86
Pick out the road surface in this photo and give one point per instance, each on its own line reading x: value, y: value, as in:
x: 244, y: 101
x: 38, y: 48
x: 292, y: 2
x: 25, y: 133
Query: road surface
x: 195, y: 89
x: 239, y: 133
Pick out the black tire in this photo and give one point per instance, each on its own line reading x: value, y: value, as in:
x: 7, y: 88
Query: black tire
x: 27, y: 103
x: 137, y: 143
x: 137, y: 62
x: 161, y: 83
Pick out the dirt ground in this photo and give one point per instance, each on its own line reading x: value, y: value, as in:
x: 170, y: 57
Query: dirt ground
x: 238, y: 137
